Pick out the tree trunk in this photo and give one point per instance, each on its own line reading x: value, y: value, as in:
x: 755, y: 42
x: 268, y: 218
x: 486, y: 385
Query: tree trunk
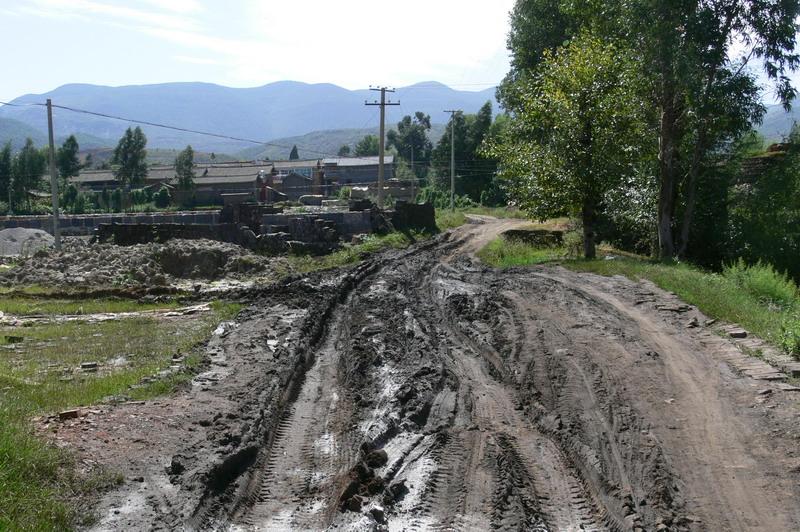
x: 691, y: 192
x: 589, y: 236
x: 667, y: 174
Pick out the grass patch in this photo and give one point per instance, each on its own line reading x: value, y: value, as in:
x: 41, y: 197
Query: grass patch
x: 352, y: 253
x: 38, y: 483
x: 505, y: 253
x: 28, y: 306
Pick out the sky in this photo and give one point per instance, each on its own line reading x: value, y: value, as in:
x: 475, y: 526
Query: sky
x: 248, y: 43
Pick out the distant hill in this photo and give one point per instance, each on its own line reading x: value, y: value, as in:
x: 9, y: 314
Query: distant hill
x: 778, y: 123
x: 17, y: 132
x: 156, y: 156
x: 274, y: 111
x: 320, y: 143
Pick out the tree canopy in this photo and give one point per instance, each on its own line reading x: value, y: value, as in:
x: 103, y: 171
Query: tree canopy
x: 411, y: 141
x: 294, y: 155
x: 129, y: 159
x: 67, y: 161
x: 184, y: 169
x: 368, y: 146
x: 577, y: 135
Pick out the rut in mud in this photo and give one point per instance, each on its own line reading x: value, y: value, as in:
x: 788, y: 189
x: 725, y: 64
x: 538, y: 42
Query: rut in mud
x: 442, y: 395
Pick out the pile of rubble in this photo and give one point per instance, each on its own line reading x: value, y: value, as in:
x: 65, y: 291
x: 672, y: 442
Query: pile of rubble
x: 104, y: 265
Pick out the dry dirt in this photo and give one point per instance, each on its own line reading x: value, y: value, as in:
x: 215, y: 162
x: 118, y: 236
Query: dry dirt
x: 424, y: 391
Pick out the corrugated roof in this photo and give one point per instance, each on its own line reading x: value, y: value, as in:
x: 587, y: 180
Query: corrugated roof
x: 235, y: 171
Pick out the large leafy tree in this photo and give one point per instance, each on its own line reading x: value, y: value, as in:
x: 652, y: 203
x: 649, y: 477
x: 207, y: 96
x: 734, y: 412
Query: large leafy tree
x: 411, y: 141
x: 368, y: 146
x: 27, y: 169
x: 697, y: 83
x: 129, y: 159
x: 579, y: 132
x: 344, y: 150
x: 67, y: 161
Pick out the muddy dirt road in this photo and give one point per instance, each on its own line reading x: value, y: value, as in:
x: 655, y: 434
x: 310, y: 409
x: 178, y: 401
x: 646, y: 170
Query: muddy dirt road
x: 423, y: 391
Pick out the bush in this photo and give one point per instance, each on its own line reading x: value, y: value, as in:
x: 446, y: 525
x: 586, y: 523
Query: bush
x: 344, y: 193
x: 116, y: 200
x: 764, y: 282
x: 161, y: 198
x: 3, y: 208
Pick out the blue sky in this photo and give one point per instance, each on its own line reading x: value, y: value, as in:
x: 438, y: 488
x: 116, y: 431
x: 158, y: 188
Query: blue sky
x: 246, y: 43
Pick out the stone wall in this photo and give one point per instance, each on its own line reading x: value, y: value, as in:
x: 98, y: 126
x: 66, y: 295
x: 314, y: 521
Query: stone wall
x: 85, y: 224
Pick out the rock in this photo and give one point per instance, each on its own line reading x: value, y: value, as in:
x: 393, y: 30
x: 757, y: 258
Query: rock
x: 737, y: 333
x: 176, y: 467
x: 377, y: 458
x: 68, y: 414
x: 354, y: 503
x: 765, y: 391
x: 88, y: 365
x: 363, y: 471
x: 378, y: 514
x: 692, y: 323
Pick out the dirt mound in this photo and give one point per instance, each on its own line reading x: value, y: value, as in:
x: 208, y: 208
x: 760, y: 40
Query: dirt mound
x: 99, y: 265
x: 20, y: 241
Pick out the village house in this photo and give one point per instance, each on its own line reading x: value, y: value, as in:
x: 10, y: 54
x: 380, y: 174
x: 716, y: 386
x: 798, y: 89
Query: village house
x: 293, y: 178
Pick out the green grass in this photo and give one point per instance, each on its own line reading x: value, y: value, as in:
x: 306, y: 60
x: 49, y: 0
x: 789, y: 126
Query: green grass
x: 351, y: 253
x: 39, y: 485
x: 27, y: 306
x: 505, y: 253
x: 758, y: 298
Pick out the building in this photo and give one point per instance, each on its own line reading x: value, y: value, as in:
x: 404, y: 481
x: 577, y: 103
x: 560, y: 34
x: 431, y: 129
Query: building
x: 293, y: 178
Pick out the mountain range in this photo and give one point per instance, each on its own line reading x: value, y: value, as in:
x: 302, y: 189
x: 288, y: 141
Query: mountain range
x: 274, y: 111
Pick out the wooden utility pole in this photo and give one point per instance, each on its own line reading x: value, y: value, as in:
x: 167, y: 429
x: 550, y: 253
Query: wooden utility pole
x: 53, y: 175
x: 452, y: 157
x: 382, y: 141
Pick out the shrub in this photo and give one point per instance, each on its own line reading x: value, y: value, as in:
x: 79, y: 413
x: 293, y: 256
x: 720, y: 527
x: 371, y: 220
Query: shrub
x: 344, y: 193
x: 161, y: 198
x: 764, y: 282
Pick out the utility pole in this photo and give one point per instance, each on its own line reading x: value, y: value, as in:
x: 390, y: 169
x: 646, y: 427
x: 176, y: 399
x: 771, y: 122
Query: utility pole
x: 53, y: 176
x: 452, y: 157
x: 382, y: 142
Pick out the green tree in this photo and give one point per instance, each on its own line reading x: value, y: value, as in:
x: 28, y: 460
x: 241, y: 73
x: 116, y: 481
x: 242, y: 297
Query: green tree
x: 67, y: 161
x: 537, y: 26
x: 27, y: 169
x: 129, y: 159
x: 184, y: 169
x: 5, y: 172
x: 474, y: 168
x: 697, y: 81
x: 293, y: 155
x: 88, y: 163
x: 578, y: 134
x: 411, y: 141
x: 344, y: 151
x: 368, y: 146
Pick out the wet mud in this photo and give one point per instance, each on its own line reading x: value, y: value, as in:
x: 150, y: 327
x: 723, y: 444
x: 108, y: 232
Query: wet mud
x: 424, y: 391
